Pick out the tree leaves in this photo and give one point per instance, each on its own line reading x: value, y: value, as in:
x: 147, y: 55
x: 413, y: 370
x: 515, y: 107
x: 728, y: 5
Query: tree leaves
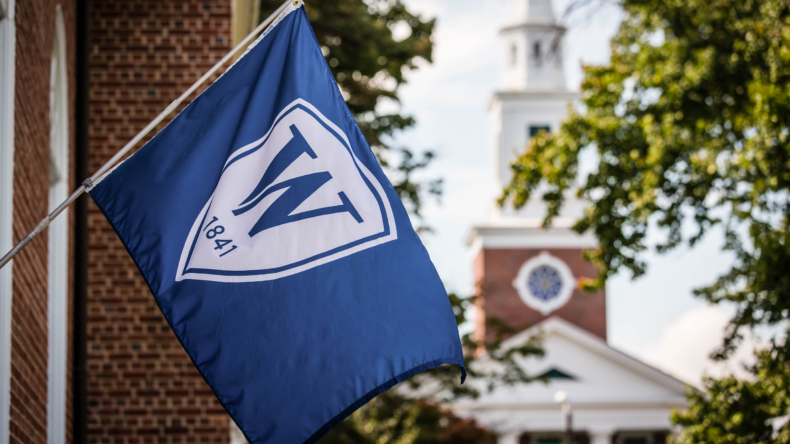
x: 691, y: 120
x: 394, y: 419
x: 686, y: 121
x: 736, y: 411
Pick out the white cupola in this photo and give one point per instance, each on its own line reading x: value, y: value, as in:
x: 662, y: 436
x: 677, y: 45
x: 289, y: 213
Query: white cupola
x: 532, y: 48
x: 532, y: 97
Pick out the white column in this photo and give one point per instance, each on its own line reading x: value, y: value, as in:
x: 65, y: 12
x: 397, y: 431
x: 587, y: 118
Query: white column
x: 58, y: 259
x: 601, y: 436
x: 7, y: 79
x: 509, y: 438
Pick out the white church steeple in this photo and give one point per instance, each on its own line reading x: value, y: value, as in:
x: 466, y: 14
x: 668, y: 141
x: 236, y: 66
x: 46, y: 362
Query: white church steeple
x: 532, y: 97
x: 532, y: 49
x: 512, y: 249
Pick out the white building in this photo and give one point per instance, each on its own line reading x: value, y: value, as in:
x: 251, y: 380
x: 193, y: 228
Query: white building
x: 527, y: 278
x: 614, y: 398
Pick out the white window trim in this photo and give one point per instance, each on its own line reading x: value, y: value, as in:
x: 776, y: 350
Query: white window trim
x: 7, y: 78
x: 58, y: 258
x: 566, y: 277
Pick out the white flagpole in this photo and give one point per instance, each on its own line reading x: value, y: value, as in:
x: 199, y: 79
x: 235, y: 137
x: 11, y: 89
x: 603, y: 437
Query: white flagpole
x: 126, y: 148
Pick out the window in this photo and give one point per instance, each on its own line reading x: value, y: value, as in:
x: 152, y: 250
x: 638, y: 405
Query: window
x: 537, y: 53
x: 558, y: 438
x: 535, y: 129
x: 555, y: 373
x: 58, y: 266
x: 548, y: 439
x: 513, y: 55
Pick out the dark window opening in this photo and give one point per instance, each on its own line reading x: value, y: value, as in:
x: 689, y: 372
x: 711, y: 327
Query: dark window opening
x: 535, y: 129
x: 513, y: 55
x: 537, y: 53
x: 578, y: 438
x: 555, y: 373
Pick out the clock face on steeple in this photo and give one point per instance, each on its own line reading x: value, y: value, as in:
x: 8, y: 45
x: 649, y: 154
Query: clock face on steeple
x: 544, y: 283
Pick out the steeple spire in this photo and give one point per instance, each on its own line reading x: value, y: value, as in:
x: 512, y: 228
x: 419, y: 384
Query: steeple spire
x: 533, y: 12
x: 532, y: 49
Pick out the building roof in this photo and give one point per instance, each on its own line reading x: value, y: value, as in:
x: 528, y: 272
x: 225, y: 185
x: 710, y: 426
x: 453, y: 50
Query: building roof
x: 607, y: 388
x: 558, y: 326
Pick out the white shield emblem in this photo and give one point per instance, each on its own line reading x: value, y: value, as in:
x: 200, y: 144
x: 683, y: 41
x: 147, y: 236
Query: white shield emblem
x: 290, y: 201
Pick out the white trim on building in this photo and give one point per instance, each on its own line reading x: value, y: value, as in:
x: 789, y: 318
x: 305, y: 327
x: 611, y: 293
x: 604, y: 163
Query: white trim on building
x: 7, y: 78
x: 612, y: 394
x: 58, y: 259
x: 514, y: 236
x: 550, y: 288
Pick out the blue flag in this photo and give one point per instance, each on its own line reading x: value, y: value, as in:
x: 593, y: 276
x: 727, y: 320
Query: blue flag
x: 276, y: 247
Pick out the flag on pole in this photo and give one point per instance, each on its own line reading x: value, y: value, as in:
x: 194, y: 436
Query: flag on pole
x: 276, y: 247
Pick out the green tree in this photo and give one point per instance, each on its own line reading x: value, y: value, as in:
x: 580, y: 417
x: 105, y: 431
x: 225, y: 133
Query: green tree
x: 690, y: 123
x: 730, y: 410
x: 394, y: 419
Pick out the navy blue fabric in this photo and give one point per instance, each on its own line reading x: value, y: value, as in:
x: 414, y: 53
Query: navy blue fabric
x: 288, y: 358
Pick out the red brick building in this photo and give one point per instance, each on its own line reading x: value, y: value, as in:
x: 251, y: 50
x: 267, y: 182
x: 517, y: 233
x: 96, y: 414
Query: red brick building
x: 141, y: 383
x: 496, y: 269
x: 85, y: 354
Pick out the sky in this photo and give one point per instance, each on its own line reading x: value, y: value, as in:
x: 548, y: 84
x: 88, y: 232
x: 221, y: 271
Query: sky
x: 656, y: 317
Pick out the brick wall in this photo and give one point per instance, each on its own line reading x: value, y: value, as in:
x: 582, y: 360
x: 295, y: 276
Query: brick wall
x: 35, y: 28
x: 495, y: 270
x: 142, y: 386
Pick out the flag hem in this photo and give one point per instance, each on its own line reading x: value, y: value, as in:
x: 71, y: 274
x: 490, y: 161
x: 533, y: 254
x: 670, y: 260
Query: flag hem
x: 329, y: 425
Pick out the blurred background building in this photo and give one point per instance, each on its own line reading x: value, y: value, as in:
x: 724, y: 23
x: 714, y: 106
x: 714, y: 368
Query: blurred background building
x: 528, y: 276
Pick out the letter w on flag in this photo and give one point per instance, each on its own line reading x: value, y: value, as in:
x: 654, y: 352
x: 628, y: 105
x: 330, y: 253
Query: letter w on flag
x: 276, y: 247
